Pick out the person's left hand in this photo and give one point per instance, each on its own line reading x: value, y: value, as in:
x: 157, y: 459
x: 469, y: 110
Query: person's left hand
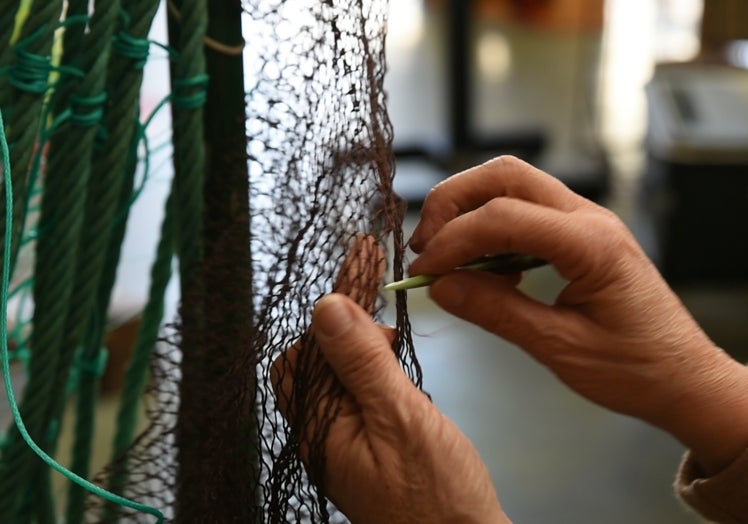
x: 392, y: 456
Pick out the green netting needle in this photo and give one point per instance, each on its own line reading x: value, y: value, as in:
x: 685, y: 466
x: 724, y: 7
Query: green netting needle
x: 501, y: 264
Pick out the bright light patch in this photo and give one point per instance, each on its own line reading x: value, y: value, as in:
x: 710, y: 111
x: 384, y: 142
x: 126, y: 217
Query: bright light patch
x: 494, y: 56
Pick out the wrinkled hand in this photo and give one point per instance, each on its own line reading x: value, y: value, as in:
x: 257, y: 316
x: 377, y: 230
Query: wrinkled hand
x: 392, y: 456
x: 617, y: 334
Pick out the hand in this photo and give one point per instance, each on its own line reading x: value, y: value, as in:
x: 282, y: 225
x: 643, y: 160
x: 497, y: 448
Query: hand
x: 617, y: 334
x: 391, y: 454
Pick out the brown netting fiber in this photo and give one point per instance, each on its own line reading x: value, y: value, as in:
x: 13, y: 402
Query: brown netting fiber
x: 296, y: 192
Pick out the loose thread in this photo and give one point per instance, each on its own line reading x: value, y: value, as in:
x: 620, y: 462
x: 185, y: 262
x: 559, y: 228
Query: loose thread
x: 215, y: 45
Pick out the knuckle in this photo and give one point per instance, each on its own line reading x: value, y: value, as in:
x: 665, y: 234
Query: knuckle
x: 506, y: 162
x: 496, y: 209
x: 612, y: 230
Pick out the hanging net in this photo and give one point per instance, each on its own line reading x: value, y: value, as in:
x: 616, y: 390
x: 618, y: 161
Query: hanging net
x: 281, y: 192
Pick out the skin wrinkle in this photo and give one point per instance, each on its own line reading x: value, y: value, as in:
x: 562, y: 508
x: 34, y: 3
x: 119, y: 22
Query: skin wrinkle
x: 616, y: 334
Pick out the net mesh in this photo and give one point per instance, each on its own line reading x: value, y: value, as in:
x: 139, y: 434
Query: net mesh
x: 281, y: 193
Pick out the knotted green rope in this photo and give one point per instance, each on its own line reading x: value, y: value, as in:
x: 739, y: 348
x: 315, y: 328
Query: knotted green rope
x: 110, y: 188
x: 188, y: 75
x: 24, y: 106
x: 7, y: 24
x: 101, y: 239
x: 4, y: 285
x: 62, y: 217
x: 25, y: 109
x: 137, y: 371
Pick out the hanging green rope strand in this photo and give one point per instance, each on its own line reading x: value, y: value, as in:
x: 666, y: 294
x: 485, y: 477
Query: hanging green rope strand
x: 137, y: 370
x: 113, y: 255
x: 60, y: 224
x: 7, y: 23
x: 93, y: 230
x: 109, y: 174
x: 7, y: 27
x: 22, y: 98
x: 188, y: 96
x: 5, y: 357
x: 26, y: 110
x: 72, y: 45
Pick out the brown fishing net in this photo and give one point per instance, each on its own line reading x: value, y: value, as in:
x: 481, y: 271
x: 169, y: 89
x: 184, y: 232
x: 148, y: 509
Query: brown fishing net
x: 320, y: 215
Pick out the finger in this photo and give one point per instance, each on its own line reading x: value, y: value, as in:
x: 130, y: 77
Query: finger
x: 502, y: 176
x: 282, y: 377
x: 494, y: 304
x: 359, y: 353
x: 507, y: 225
x: 362, y: 271
x: 284, y: 367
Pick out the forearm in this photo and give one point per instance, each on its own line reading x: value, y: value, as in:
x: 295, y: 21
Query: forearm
x: 711, y: 416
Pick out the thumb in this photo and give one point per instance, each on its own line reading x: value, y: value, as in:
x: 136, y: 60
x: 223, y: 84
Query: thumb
x: 359, y: 353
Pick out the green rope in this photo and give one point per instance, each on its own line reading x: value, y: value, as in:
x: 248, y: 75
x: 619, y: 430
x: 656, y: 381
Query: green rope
x: 189, y: 150
x: 72, y: 47
x: 7, y: 25
x: 137, y: 371
x: 25, y: 107
x: 96, y: 490
x: 188, y: 71
x: 89, y: 368
x: 112, y: 174
x: 88, y: 231
x: 60, y: 225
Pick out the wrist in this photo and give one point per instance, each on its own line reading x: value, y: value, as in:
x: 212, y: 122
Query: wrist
x: 710, y: 416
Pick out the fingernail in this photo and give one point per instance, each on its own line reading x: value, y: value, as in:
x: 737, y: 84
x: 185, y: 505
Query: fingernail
x: 448, y: 292
x: 414, y: 242
x: 333, y: 317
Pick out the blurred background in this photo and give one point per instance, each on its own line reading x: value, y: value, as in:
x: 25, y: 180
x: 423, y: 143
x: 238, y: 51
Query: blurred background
x: 640, y: 105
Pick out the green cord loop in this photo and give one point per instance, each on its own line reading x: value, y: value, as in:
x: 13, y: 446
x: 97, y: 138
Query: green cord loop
x: 21, y: 353
x: 87, y: 111
x: 31, y: 72
x: 136, y: 49
x: 95, y: 367
x: 190, y: 93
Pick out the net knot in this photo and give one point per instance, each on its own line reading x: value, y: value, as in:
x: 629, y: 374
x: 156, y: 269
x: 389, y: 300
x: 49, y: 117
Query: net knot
x: 30, y: 72
x: 132, y: 47
x: 87, y: 110
x: 95, y: 366
x: 190, y: 93
x: 21, y: 353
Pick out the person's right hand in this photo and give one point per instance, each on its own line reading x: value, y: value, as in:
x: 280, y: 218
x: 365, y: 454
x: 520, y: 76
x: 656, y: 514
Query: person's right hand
x: 617, y: 334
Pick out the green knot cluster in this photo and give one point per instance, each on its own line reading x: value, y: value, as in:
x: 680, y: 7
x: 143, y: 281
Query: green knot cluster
x: 190, y: 93
x: 30, y: 72
x: 94, y: 366
x: 136, y: 49
x: 88, y: 110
